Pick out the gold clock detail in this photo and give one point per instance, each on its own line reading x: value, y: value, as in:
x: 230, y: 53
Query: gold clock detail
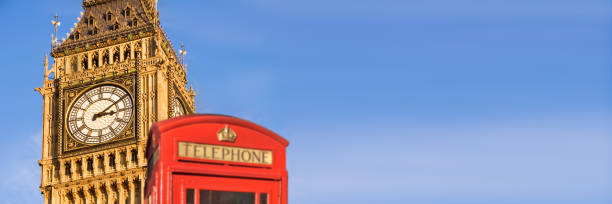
x: 100, y: 114
x: 177, y: 108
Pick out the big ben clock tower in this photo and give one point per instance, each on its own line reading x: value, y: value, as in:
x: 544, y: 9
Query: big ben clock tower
x: 112, y: 76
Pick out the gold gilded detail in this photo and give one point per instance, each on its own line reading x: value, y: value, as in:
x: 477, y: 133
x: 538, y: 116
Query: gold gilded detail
x: 226, y: 134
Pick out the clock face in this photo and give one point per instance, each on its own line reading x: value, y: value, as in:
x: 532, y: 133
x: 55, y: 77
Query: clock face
x: 100, y: 114
x: 177, y: 108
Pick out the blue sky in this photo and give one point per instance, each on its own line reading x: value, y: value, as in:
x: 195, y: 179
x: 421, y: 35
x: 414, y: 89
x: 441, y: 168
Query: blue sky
x: 411, y: 101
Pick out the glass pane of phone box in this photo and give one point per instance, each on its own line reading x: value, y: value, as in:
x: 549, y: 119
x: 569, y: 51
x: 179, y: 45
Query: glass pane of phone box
x: 222, y: 197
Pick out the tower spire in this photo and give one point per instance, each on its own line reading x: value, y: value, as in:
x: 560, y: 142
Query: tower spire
x: 56, y: 24
x: 183, y: 52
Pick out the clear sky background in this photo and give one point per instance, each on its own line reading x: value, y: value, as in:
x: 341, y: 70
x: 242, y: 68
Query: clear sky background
x: 383, y: 101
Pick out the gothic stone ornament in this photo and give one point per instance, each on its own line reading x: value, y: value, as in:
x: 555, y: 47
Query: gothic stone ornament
x: 226, y: 134
x: 177, y: 108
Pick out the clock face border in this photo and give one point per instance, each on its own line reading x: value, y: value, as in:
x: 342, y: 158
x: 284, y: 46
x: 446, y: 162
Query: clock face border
x: 67, y: 94
x: 83, y: 92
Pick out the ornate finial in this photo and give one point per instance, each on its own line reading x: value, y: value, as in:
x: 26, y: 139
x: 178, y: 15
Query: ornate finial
x: 226, y: 134
x: 46, y: 68
x: 191, y: 92
x: 56, y: 23
x: 183, y: 52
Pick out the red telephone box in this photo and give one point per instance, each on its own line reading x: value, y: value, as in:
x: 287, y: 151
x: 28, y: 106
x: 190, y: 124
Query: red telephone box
x: 215, y: 159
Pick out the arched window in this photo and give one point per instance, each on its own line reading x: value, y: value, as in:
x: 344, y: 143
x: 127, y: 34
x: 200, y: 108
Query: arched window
x: 95, y: 31
x: 95, y: 62
x: 108, y: 16
x: 115, y: 56
x: 135, y: 22
x: 90, y: 165
x: 76, y: 36
x: 84, y: 62
x: 101, y: 162
x: 78, y: 167
x: 105, y: 58
x: 134, y: 156
x: 90, y: 20
x: 111, y: 160
x: 67, y: 170
x: 127, y: 53
x: 115, y: 26
x: 74, y: 63
x: 127, y: 12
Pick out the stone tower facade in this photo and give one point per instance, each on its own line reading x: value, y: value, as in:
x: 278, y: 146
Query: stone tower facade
x: 112, y: 77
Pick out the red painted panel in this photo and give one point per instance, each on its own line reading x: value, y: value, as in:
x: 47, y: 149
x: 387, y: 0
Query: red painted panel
x: 165, y: 165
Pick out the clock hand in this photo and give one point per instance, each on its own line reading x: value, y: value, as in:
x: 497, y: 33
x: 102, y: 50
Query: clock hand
x: 101, y: 113
x: 106, y: 113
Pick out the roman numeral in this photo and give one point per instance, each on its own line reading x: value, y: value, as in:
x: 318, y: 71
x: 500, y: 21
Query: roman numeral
x: 118, y: 92
x: 112, y: 131
x: 78, y: 107
x: 124, y: 109
x: 89, y: 99
x: 75, y: 119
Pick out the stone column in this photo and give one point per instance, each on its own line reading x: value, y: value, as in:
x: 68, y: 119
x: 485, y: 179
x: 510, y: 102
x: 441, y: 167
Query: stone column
x: 55, y: 197
x: 95, y: 164
x: 77, y: 196
x: 88, y: 197
x: 128, y: 157
x: 46, y: 196
x: 100, y: 197
x: 56, y: 175
x: 143, y: 50
x: 64, y: 197
x: 117, y: 160
x: 100, y: 57
x: 132, y: 190
x: 141, y: 157
x: 62, y: 171
x: 121, y: 190
x: 110, y: 55
x: 121, y: 51
x: 73, y: 175
x: 132, y: 51
x: 110, y: 192
x: 142, y: 187
x: 78, y: 63
x: 105, y: 163
x: 67, y: 65
x: 89, y: 60
x: 84, y: 166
